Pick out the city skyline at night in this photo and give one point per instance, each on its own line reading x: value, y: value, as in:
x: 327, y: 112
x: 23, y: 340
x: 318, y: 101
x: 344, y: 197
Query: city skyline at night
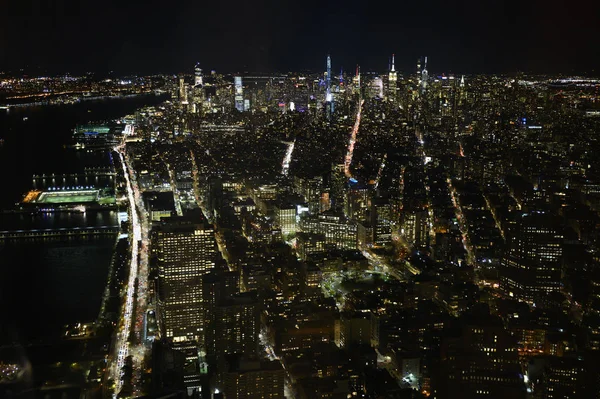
x: 277, y: 200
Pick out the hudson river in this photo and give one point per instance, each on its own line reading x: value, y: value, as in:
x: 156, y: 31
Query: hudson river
x: 46, y: 284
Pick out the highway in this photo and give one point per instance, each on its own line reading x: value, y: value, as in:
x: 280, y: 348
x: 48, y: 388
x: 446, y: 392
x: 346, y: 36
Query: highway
x: 135, y: 300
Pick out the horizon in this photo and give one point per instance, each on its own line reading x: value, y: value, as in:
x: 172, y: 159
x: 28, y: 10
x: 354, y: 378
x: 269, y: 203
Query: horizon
x: 535, y: 36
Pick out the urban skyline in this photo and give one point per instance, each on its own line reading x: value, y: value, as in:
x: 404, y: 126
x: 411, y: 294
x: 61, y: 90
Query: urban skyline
x: 376, y: 226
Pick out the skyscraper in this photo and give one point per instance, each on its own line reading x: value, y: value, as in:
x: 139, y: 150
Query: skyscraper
x: 183, y: 98
x: 393, y: 78
x: 479, y: 358
x: 254, y: 379
x: 532, y: 264
x: 424, y: 76
x: 328, y: 79
x: 237, y: 325
x: 328, y: 94
x: 186, y: 250
x: 198, y: 75
x: 239, y: 93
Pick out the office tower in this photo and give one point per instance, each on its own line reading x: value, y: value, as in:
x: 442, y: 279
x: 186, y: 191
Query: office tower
x: 239, y: 93
x: 198, y: 75
x: 424, y: 77
x: 336, y: 228
x: 356, y: 328
x: 214, y: 200
x: 532, y: 263
x: 357, y: 202
x: 381, y: 220
x: 328, y: 80
x: 393, y: 78
x: 285, y: 218
x: 356, y: 80
x: 564, y: 377
x: 186, y: 250
x: 328, y: 94
x: 254, y: 379
x: 414, y: 226
x: 479, y: 358
x: 236, y: 324
x: 375, y: 88
x: 312, y: 190
x: 183, y: 98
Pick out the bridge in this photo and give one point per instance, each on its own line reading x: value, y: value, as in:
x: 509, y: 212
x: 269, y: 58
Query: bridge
x: 65, y: 232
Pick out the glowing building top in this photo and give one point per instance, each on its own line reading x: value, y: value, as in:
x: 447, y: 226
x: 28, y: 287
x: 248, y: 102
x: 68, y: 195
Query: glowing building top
x: 198, y: 75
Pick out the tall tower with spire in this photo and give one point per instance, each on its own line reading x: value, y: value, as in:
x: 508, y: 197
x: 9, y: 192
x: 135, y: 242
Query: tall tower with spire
x: 462, y: 90
x: 356, y: 79
x: 393, y: 78
x: 328, y: 96
x: 424, y: 76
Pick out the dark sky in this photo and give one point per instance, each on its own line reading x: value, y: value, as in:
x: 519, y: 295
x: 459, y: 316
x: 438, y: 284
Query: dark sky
x: 135, y: 36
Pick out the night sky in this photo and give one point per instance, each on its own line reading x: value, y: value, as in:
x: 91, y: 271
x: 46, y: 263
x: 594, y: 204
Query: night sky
x: 134, y: 36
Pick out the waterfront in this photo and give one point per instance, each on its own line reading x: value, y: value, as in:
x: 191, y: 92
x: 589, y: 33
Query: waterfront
x: 47, y: 283
x: 34, y: 139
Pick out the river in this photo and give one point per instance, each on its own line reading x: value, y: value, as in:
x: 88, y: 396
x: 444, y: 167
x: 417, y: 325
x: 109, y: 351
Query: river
x: 45, y: 284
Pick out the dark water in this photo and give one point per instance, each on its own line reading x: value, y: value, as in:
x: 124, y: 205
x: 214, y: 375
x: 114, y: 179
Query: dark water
x: 45, y: 221
x: 46, y: 284
x: 36, y: 146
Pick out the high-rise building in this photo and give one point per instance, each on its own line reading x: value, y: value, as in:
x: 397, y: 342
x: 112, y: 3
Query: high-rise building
x: 357, y: 202
x: 356, y: 80
x: 254, y: 379
x: 532, y: 263
x: 198, y: 75
x: 183, y: 98
x: 414, y: 226
x: 393, y: 79
x: 381, y: 220
x: 186, y: 250
x: 285, y: 218
x: 564, y: 377
x: 328, y: 92
x: 424, y: 77
x: 328, y: 96
x: 239, y: 93
x: 479, y: 359
x: 337, y: 229
x: 236, y: 323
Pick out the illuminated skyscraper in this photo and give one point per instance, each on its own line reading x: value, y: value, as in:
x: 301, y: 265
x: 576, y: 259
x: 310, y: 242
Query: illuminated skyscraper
x: 356, y: 79
x: 462, y: 90
x: 285, y: 217
x: 328, y: 97
x: 198, y: 75
x: 239, y: 93
x: 532, y: 264
x: 424, y: 76
x: 393, y: 78
x: 186, y: 250
x: 328, y: 94
x: 182, y: 91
